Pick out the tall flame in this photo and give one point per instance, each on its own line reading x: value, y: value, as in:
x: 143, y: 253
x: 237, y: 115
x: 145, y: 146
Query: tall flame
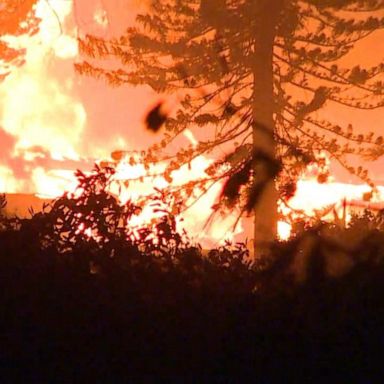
x: 38, y: 110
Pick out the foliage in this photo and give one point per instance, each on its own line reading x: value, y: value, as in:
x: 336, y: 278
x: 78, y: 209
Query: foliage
x: 92, y: 222
x: 240, y: 69
x: 17, y: 18
x: 104, y: 308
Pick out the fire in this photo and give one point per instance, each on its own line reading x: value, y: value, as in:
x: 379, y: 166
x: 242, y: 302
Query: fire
x: 8, y: 182
x: 283, y: 230
x: 42, y: 112
x: 52, y: 121
x: 53, y: 183
x: 38, y: 109
x: 312, y: 196
x: 138, y: 184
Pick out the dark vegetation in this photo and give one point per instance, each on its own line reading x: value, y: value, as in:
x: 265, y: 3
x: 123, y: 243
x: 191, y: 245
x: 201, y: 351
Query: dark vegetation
x: 125, y: 304
x: 86, y: 297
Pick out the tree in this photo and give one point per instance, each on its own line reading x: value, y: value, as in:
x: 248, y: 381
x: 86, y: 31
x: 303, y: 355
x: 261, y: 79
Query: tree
x: 239, y: 67
x: 17, y: 17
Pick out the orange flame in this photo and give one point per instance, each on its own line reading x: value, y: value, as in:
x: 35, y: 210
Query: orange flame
x: 52, y: 117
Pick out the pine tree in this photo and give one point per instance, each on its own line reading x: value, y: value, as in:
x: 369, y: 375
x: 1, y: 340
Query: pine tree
x: 240, y: 67
x: 17, y: 17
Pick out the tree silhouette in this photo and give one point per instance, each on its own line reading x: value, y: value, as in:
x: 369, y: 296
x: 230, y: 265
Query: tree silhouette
x: 240, y: 69
x: 16, y: 18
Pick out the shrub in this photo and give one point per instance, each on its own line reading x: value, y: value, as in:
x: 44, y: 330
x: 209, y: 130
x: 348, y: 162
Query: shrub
x: 115, y: 302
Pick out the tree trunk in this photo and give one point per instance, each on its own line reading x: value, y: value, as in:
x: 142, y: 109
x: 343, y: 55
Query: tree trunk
x: 265, y: 220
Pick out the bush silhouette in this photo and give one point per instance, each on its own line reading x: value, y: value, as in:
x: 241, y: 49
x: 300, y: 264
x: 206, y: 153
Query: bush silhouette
x: 117, y: 304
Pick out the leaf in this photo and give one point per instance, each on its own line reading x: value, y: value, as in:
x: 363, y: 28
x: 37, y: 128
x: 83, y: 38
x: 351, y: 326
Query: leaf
x: 155, y: 118
x: 288, y: 190
x: 118, y: 155
x: 230, y: 109
x: 322, y: 178
x: 206, y: 118
x: 367, y: 196
x: 3, y: 201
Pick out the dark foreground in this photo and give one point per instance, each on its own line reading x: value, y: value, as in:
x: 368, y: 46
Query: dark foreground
x: 187, y: 316
x: 74, y: 309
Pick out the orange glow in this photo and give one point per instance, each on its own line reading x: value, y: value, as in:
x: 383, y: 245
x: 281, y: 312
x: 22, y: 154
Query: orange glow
x: 311, y: 197
x: 43, y: 101
x: 8, y: 183
x: 283, y: 230
x: 39, y: 110
x: 53, y: 183
x: 195, y: 217
x: 42, y: 110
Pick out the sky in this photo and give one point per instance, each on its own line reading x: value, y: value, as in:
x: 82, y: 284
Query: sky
x: 53, y: 121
